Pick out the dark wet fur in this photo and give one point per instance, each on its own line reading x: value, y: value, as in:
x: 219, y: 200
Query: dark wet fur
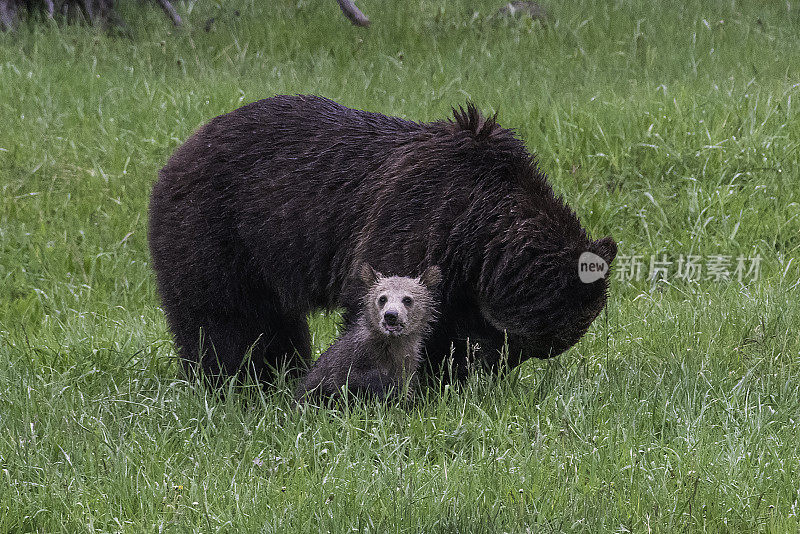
x: 264, y: 213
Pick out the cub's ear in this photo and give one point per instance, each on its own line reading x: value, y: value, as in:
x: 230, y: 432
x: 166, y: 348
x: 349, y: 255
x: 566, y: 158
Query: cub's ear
x: 369, y: 275
x: 432, y: 277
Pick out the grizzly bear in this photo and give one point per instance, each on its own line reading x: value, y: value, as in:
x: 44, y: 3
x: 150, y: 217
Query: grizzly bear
x: 379, y: 354
x: 266, y: 212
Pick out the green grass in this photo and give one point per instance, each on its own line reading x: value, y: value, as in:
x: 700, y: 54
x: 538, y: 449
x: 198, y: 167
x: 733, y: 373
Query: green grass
x: 675, y: 129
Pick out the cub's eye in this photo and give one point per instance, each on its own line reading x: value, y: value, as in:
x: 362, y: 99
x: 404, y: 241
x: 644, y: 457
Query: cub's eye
x: 382, y: 300
x: 408, y: 301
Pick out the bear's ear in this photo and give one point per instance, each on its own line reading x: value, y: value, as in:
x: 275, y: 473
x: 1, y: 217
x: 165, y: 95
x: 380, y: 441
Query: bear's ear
x: 369, y: 275
x: 606, y: 249
x: 432, y: 277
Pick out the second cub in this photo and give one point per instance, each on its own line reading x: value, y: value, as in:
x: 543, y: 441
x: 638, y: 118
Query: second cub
x: 378, y: 355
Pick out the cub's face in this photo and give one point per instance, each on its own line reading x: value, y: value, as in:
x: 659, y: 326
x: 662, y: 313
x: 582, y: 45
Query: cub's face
x: 398, y: 305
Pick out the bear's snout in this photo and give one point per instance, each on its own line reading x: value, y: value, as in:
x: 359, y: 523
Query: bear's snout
x: 390, y: 317
x: 393, y: 324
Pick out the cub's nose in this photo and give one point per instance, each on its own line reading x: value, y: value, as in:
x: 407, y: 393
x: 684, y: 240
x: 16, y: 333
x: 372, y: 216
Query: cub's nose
x: 391, y: 318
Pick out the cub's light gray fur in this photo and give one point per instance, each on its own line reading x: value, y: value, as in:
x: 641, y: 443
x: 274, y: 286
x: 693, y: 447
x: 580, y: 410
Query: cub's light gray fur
x: 380, y: 354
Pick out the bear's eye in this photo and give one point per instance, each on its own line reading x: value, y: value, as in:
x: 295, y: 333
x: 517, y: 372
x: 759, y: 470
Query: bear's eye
x: 382, y: 300
x: 408, y: 301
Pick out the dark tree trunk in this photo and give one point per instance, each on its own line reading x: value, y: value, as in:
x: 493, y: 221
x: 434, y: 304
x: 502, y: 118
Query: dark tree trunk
x: 170, y: 11
x: 92, y: 11
x: 8, y: 13
x: 353, y: 13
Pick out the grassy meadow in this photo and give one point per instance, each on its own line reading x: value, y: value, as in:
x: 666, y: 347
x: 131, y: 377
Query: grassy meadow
x: 673, y: 127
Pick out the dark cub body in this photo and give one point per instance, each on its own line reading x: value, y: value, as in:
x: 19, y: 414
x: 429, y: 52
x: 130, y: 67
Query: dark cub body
x: 359, y: 363
x: 264, y: 213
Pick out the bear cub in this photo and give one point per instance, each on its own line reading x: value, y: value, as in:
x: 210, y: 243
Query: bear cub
x: 379, y: 355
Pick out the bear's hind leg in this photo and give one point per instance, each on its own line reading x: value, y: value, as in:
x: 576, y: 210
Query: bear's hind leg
x: 222, y: 344
x: 219, y: 344
x: 286, y: 347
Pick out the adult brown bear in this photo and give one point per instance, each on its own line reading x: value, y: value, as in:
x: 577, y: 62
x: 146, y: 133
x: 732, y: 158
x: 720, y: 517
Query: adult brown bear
x: 265, y: 213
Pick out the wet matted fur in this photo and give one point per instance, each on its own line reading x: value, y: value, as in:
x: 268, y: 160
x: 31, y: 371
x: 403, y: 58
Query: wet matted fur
x: 264, y: 214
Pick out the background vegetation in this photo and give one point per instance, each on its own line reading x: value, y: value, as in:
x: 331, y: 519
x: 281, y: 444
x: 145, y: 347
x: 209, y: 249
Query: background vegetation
x: 673, y: 128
